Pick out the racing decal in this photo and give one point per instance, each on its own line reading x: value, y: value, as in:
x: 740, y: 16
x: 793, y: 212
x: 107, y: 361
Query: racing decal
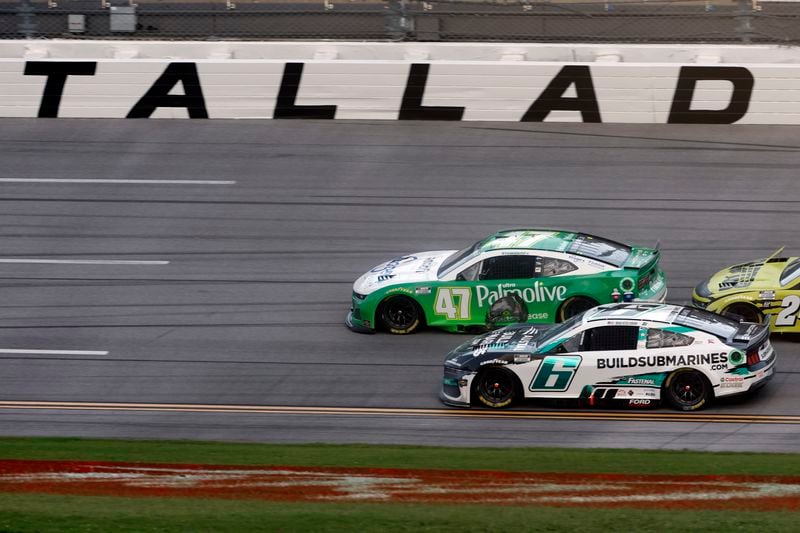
x: 788, y: 315
x: 389, y: 267
x: 453, y: 302
x: 555, y: 373
x: 719, y: 358
x: 537, y: 293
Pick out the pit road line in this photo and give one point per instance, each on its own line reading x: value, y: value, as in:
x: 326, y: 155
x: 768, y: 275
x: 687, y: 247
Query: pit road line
x: 52, y: 352
x: 370, y: 411
x: 81, y: 261
x: 118, y: 181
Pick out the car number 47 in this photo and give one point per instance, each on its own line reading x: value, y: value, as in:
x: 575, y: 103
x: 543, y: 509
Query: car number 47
x: 453, y: 302
x: 788, y: 315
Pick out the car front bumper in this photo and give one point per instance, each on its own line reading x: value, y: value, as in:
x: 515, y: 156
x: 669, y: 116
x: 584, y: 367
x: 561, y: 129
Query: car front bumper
x: 356, y: 325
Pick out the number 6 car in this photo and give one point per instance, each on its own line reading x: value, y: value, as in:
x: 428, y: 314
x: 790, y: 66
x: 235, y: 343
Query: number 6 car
x: 639, y: 354
x: 765, y: 290
x: 520, y: 275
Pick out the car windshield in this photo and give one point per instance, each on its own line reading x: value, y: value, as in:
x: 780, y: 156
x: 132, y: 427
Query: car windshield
x: 600, y: 249
x: 554, y: 333
x: 791, y: 272
x: 713, y: 323
x: 457, y: 258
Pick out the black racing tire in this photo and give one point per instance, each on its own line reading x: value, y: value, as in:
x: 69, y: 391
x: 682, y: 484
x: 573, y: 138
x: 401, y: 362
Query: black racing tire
x: 748, y: 312
x: 496, y: 387
x: 687, y: 390
x: 400, y: 315
x: 574, y: 305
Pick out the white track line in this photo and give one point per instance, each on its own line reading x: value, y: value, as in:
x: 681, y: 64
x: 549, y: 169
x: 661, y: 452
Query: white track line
x: 53, y: 352
x: 82, y: 261
x: 118, y: 181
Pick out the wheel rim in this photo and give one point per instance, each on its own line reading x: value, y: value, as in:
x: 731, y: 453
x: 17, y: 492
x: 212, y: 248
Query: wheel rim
x: 400, y: 313
x: 496, y: 386
x: 688, y: 388
x: 747, y: 312
x: 574, y: 307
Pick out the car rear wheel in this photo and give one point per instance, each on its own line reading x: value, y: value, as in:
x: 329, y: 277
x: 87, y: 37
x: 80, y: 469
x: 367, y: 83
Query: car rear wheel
x: 496, y: 387
x: 687, y: 390
x: 574, y: 306
x: 400, y: 315
x: 748, y: 312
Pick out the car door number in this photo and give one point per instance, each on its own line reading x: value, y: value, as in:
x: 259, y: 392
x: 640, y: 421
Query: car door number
x: 555, y: 373
x: 453, y: 302
x: 788, y: 315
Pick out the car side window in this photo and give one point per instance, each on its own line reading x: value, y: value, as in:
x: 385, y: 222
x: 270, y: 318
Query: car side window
x: 508, y: 267
x: 606, y: 338
x: 470, y: 273
x: 551, y: 266
x: 659, y: 338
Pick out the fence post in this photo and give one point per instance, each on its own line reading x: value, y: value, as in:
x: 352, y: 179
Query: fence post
x: 27, y: 19
x: 398, y: 25
x: 744, y: 17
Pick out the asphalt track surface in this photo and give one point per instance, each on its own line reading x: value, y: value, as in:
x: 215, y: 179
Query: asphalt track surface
x: 205, y: 299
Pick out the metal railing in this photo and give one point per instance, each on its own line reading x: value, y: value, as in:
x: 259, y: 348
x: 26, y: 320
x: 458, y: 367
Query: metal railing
x: 631, y: 21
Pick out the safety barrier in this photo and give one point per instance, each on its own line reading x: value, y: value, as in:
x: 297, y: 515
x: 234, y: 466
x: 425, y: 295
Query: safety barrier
x: 628, y: 84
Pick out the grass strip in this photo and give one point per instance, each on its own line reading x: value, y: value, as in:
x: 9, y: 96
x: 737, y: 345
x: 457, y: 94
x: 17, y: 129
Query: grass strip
x: 361, y: 455
x: 23, y: 513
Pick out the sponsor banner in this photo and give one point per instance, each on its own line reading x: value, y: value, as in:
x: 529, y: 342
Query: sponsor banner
x: 714, y: 359
x: 516, y: 91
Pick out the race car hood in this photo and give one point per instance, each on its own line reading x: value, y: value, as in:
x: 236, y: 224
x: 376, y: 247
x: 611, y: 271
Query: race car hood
x: 755, y: 275
x: 508, y: 345
x: 412, y: 268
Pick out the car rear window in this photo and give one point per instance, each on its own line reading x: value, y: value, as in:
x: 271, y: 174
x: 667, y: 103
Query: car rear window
x: 601, y: 249
x: 713, y: 323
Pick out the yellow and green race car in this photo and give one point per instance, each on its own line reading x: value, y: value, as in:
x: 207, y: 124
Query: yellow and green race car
x: 758, y: 291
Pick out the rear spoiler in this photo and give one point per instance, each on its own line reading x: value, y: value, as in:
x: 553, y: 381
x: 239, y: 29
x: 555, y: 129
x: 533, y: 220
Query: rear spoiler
x: 751, y: 334
x: 639, y: 261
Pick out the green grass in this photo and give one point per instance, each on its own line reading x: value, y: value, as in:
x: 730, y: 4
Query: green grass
x: 509, y: 459
x: 96, y: 514
x: 47, y: 512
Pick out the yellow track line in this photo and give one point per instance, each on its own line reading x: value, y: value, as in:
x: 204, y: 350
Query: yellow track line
x: 703, y: 417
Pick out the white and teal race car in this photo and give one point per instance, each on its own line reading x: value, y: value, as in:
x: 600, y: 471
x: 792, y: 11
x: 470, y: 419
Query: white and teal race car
x: 636, y: 353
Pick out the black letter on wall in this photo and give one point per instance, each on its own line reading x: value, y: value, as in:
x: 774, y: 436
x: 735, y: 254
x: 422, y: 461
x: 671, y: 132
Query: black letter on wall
x: 551, y: 98
x: 412, y: 109
x: 680, y: 112
x: 56, y: 72
x: 158, y: 95
x: 285, y: 106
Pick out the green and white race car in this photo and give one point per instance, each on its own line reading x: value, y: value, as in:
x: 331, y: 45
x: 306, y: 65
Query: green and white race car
x: 512, y: 276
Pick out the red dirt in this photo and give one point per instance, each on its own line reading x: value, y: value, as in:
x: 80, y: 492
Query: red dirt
x: 315, y: 484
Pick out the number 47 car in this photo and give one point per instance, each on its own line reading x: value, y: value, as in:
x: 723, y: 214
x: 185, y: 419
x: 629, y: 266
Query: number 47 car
x: 639, y: 354
x: 520, y: 275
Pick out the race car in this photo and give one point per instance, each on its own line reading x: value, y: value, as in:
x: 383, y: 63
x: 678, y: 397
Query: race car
x: 634, y: 353
x: 762, y: 291
x: 512, y: 276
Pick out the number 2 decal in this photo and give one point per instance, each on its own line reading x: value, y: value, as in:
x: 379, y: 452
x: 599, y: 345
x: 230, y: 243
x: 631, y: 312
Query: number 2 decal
x: 555, y: 373
x: 446, y: 299
x: 788, y: 316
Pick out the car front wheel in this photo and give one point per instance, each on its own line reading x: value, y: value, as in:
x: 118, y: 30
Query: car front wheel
x: 496, y: 387
x: 400, y: 315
